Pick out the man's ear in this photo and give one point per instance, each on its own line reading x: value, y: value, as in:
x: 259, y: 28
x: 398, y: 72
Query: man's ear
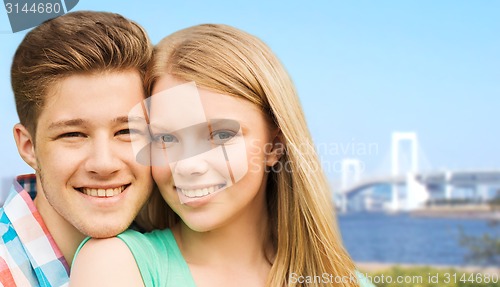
x: 25, y: 145
x: 277, y: 150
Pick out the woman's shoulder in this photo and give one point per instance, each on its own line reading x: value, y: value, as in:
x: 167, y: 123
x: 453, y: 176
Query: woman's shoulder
x: 157, y: 255
x: 155, y: 239
x: 106, y: 260
x: 91, y: 247
x: 157, y: 244
x: 151, y: 234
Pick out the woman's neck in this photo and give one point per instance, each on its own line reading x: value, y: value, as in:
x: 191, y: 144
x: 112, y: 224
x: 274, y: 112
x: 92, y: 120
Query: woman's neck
x: 241, y: 248
x: 243, y: 241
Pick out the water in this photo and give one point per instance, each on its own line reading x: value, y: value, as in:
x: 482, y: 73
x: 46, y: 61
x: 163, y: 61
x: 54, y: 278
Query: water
x: 401, y: 238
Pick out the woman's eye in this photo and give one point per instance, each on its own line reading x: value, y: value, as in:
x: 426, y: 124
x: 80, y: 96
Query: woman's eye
x: 220, y: 137
x: 165, y: 138
x: 168, y: 138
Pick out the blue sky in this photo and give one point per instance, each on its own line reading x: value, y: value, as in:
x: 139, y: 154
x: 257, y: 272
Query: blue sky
x: 363, y: 69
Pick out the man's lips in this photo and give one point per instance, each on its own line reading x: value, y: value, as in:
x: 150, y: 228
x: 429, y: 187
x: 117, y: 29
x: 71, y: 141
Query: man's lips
x: 103, y: 192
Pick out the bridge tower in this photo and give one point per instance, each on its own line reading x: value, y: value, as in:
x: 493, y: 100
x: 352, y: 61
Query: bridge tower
x: 351, y: 173
x: 448, y: 187
x: 397, y: 139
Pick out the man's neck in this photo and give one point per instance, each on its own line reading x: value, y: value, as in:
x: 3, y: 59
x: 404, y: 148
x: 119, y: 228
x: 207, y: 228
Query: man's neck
x: 65, y: 235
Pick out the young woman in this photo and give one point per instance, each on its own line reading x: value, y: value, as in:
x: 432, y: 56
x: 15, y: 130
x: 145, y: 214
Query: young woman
x: 248, y: 204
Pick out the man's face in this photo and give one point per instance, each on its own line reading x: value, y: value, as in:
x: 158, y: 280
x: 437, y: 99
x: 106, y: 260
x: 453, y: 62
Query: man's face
x: 83, y: 149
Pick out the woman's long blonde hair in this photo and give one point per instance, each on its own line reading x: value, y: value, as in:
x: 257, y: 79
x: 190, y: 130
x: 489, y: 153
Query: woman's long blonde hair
x: 302, y: 224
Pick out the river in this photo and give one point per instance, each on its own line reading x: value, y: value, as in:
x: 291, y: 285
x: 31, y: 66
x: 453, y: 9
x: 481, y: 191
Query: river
x: 402, y: 238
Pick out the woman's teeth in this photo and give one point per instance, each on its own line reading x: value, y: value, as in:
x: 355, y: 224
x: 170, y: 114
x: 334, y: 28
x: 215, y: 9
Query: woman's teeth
x: 200, y: 192
x: 103, y: 192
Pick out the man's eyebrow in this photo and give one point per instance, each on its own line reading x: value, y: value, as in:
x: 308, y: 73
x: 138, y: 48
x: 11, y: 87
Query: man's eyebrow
x: 67, y: 123
x: 131, y: 119
x: 82, y: 122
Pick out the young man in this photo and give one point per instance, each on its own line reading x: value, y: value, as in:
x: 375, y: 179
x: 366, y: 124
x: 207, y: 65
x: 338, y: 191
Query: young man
x: 75, y: 79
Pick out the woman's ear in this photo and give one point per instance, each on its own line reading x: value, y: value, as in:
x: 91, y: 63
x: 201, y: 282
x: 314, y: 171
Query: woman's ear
x: 25, y: 145
x: 277, y: 150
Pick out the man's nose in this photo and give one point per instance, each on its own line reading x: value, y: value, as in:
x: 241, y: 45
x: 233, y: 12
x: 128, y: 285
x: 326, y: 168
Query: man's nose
x: 102, y: 159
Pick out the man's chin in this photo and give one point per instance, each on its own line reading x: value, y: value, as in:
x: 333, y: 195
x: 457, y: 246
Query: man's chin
x: 105, y: 232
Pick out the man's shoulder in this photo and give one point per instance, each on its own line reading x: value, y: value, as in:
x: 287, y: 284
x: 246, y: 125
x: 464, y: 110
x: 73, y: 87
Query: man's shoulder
x: 14, y: 261
x: 5, y: 225
x: 18, y: 202
x: 27, y: 261
x: 9, y: 238
x: 28, y: 253
x: 24, y: 185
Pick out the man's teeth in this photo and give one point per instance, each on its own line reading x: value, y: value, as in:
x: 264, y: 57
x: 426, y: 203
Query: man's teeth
x: 200, y: 192
x: 101, y: 192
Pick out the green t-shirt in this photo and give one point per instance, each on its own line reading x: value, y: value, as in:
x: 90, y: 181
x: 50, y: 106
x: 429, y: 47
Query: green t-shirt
x: 160, y: 260
x: 158, y: 257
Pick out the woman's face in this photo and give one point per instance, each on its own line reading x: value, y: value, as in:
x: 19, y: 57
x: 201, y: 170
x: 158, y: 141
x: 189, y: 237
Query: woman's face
x: 209, y: 153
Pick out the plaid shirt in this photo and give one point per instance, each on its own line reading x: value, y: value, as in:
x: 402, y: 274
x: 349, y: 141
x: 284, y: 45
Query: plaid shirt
x: 28, y: 254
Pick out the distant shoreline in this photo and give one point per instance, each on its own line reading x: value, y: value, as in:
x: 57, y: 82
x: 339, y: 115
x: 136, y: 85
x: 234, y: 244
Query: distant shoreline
x: 458, y: 211
x: 372, y: 267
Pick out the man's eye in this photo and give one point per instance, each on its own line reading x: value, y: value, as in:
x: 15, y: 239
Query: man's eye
x: 123, y: 132
x: 71, y: 135
x: 130, y: 132
x: 221, y: 137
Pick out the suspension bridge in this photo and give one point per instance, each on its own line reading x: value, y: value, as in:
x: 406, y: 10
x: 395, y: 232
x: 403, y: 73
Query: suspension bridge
x: 408, y: 187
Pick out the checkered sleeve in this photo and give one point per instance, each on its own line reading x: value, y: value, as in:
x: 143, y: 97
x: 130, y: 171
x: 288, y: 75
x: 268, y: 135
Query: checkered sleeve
x: 28, y: 253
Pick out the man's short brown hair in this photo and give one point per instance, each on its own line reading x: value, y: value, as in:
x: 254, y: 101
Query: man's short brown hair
x: 82, y: 42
